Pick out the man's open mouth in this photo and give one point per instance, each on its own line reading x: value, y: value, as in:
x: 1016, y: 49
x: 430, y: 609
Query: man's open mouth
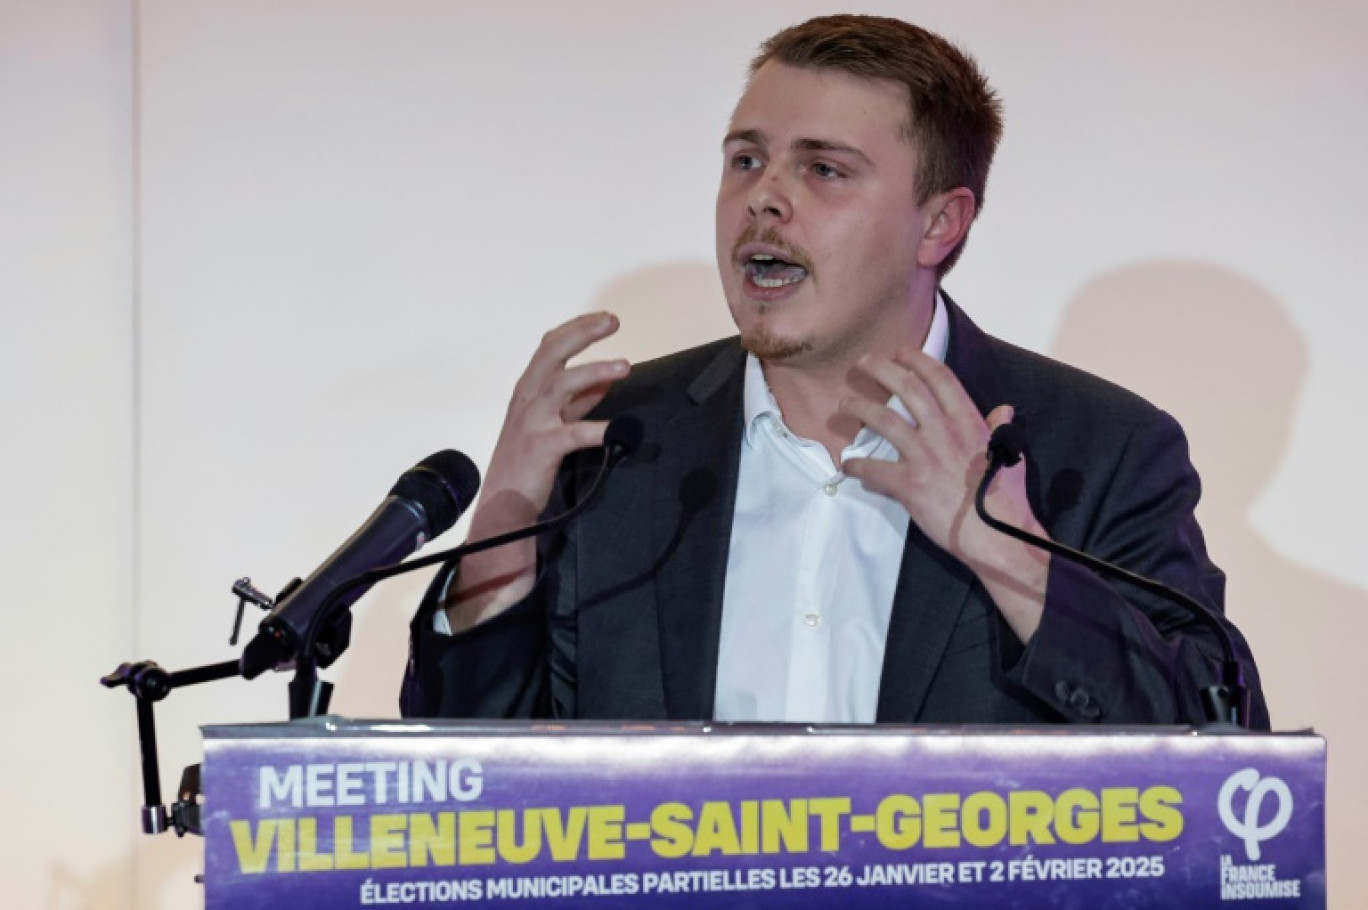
x: 772, y: 272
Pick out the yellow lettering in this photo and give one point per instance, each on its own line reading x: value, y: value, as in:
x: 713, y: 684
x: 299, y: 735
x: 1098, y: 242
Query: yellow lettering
x: 940, y: 820
x: 830, y: 810
x: 785, y: 822
x: 432, y: 839
x: 510, y: 851
x: 1118, y: 814
x: 253, y: 853
x: 1031, y: 812
x: 605, y: 832
x: 346, y: 857
x: 310, y: 860
x: 750, y: 827
x: 387, y: 841
x: 983, y: 819
x: 716, y: 831
x: 562, y: 836
x: 1076, y: 819
x: 673, y: 836
x: 285, y: 846
x: 475, y: 841
x: 897, y: 823
x: 1160, y: 806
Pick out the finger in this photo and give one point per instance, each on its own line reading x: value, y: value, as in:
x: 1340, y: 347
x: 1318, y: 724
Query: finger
x: 909, y: 388
x: 573, y: 380
x: 583, y: 402
x: 567, y: 340
x: 875, y: 475
x: 885, y: 421
x: 582, y: 434
x: 999, y: 415
x: 938, y: 379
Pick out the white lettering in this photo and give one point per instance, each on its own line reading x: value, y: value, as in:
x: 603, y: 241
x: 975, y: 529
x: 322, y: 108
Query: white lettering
x: 277, y: 788
x: 318, y: 784
x: 380, y: 773
x: 467, y: 780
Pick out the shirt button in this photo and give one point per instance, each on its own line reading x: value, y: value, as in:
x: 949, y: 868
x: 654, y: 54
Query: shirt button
x: 830, y: 489
x: 812, y: 619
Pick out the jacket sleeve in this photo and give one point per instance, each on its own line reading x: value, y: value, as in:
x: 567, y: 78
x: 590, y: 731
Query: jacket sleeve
x: 1109, y: 652
x: 511, y: 666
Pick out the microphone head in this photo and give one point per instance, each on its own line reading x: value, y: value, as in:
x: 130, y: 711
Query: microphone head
x: 623, y: 435
x: 443, y: 485
x: 1005, y: 446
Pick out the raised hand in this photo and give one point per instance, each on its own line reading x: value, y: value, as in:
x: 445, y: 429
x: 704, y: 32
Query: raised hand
x: 545, y: 422
x: 941, y: 460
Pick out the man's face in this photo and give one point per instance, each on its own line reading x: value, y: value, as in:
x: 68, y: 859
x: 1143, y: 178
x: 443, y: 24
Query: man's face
x: 817, y: 217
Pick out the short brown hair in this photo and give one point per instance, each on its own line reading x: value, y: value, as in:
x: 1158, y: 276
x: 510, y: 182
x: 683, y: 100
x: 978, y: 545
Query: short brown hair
x: 954, y: 116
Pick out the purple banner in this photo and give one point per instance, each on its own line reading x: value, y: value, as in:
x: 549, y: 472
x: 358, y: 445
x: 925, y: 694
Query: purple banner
x: 337, y: 814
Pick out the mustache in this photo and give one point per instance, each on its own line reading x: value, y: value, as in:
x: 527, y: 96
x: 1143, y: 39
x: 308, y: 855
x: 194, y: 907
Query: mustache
x: 770, y: 237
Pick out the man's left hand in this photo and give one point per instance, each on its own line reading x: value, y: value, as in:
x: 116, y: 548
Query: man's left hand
x: 942, y: 454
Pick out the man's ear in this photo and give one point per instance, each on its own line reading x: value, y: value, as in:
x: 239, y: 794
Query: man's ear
x: 948, y: 218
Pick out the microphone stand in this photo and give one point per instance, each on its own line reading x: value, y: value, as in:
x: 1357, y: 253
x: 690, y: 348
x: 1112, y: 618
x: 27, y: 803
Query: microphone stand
x: 1226, y: 704
x: 149, y: 683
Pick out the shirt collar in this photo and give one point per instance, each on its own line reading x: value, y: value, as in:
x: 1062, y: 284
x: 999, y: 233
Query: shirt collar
x: 758, y: 400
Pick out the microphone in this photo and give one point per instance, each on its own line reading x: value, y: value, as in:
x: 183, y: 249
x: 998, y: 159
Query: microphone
x: 424, y: 503
x: 1005, y: 447
x: 621, y: 438
x: 1227, y: 702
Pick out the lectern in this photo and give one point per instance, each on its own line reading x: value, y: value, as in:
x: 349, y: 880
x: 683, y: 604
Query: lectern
x: 333, y: 813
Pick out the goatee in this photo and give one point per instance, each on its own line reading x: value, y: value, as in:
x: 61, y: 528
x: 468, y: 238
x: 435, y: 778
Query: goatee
x: 768, y: 347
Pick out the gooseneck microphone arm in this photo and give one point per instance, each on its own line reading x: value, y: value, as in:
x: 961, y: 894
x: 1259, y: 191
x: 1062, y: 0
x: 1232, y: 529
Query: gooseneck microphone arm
x: 622, y: 437
x: 1227, y: 702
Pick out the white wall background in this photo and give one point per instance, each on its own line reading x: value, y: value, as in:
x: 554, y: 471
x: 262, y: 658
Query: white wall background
x: 257, y: 258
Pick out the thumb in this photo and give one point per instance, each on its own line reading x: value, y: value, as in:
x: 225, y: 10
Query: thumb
x: 999, y: 415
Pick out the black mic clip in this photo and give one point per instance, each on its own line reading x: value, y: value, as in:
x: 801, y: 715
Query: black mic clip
x: 247, y: 593
x: 1005, y: 447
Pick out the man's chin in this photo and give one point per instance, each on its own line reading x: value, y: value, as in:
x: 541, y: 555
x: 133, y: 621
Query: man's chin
x: 769, y: 347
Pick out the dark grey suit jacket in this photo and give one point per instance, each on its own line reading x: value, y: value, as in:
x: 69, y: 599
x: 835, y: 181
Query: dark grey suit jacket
x: 624, y: 620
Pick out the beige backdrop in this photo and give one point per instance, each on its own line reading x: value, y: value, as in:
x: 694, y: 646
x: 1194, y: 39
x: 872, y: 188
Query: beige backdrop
x: 258, y: 257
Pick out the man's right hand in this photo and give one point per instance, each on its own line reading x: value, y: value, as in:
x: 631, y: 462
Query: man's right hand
x: 545, y: 422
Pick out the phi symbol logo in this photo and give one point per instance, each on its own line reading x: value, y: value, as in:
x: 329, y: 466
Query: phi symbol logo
x: 1248, y: 828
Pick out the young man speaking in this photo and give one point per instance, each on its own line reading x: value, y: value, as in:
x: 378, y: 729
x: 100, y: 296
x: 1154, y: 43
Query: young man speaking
x: 796, y: 541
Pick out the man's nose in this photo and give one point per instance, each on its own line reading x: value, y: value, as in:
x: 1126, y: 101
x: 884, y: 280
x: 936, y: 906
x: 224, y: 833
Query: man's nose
x: 769, y: 198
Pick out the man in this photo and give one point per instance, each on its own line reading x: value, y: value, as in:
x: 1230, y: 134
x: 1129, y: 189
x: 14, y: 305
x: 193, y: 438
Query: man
x: 797, y: 540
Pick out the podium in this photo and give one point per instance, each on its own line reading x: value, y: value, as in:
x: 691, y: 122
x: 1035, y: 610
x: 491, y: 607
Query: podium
x: 334, y: 813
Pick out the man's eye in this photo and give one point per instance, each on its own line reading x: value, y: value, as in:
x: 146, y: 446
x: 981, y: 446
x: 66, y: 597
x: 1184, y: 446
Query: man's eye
x: 825, y: 171
x: 744, y: 162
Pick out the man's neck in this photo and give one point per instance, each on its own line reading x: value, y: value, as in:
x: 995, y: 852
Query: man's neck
x: 809, y: 393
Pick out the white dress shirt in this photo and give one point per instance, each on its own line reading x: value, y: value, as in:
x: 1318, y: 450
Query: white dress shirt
x: 813, y: 562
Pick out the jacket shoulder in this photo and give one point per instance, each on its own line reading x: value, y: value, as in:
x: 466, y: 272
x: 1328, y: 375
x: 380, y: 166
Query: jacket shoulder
x: 1041, y: 389
x: 669, y: 382
x: 1052, y: 386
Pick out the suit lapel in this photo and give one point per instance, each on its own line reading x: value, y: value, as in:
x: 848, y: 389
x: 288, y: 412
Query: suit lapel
x: 931, y: 591
x: 691, y: 523
x: 932, y: 586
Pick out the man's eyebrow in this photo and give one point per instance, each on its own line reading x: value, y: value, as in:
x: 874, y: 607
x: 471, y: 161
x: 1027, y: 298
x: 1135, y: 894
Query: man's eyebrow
x: 827, y: 145
x: 754, y: 137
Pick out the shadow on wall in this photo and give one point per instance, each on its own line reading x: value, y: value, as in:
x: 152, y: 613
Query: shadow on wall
x: 663, y: 308
x: 1222, y: 355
